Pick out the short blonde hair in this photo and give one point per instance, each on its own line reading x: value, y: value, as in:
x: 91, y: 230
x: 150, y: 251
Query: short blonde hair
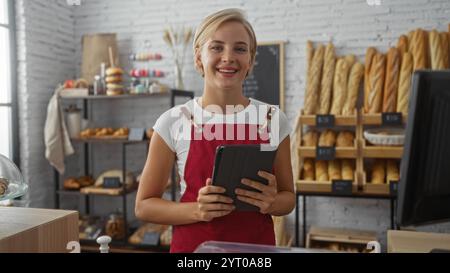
x: 211, y: 23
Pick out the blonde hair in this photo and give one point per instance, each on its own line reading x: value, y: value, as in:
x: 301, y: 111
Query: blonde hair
x: 211, y: 23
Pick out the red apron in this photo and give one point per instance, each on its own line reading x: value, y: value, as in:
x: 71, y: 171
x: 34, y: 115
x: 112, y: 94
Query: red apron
x: 238, y: 226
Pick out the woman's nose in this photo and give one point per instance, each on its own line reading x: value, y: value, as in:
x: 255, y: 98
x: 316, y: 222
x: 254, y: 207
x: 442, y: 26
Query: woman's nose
x: 227, y: 56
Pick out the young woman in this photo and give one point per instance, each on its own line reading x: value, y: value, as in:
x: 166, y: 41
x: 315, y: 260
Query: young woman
x: 224, y: 53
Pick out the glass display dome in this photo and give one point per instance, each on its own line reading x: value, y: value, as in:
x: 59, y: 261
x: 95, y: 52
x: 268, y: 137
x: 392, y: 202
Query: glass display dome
x: 12, y: 184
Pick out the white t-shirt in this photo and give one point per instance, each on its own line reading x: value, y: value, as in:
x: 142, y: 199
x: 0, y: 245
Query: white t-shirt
x: 174, y: 126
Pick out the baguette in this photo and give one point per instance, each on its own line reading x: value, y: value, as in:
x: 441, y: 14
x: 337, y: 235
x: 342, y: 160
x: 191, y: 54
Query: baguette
x: 347, y: 169
x: 322, y: 170
x: 404, y: 83
x: 378, y: 171
x: 308, y: 169
x: 327, y: 139
x: 427, y: 50
x: 419, y: 50
x: 334, y: 169
x: 445, y: 49
x: 345, y: 139
x: 309, y: 55
x: 435, y: 46
x: 370, y: 54
x: 327, y: 80
x: 354, y: 82
x: 313, y: 84
x: 410, y: 40
x: 375, y: 94
x: 339, y: 86
x: 402, y: 44
x: 310, y: 138
x: 351, y: 59
x: 391, y: 80
x: 392, y: 173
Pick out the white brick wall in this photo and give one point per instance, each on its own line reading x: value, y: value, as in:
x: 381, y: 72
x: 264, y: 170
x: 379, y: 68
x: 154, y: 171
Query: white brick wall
x: 351, y: 25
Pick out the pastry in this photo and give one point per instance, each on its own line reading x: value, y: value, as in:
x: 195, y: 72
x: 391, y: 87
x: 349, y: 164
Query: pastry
x: 310, y: 138
x: 378, y: 171
x: 354, y: 82
x: 392, y: 172
x: 445, y: 48
x: 404, y: 83
x: 81, y: 83
x: 113, y: 79
x: 85, y: 181
x: 121, y: 132
x: 4, y: 183
x: 308, y: 169
x: 345, y: 139
x: 334, y: 169
x: 327, y: 138
x: 435, y: 46
x: 391, y: 80
x: 114, y: 71
x: 71, y: 184
x: 347, y: 169
x: 322, y: 170
x: 327, y: 80
x: 339, y: 86
x: 370, y: 54
x: 375, y: 92
x: 313, y: 81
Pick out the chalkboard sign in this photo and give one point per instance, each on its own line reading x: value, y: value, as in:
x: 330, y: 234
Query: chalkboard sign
x: 266, y: 82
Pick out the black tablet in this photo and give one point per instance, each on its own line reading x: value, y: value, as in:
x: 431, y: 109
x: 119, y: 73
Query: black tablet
x: 234, y: 162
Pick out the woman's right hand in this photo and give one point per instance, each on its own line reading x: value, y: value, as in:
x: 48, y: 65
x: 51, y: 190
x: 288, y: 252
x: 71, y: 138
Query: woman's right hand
x: 211, y: 202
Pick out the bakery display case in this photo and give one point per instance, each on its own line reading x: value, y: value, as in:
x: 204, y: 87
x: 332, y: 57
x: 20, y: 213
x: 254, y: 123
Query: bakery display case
x: 12, y: 183
x: 110, y: 183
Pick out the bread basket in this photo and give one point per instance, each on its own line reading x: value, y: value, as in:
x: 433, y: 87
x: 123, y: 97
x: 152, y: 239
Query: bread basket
x: 385, y: 136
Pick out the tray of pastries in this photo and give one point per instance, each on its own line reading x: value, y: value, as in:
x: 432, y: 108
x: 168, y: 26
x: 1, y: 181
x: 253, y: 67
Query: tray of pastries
x: 105, y: 133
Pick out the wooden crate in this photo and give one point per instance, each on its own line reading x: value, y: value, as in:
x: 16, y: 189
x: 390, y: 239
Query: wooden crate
x: 339, y: 239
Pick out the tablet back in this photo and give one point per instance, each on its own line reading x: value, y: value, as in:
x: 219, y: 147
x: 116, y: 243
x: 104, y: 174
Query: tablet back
x: 234, y: 162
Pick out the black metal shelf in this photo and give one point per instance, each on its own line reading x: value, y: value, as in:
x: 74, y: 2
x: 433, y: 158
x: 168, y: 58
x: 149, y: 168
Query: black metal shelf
x: 109, y: 141
x: 358, y: 195
x: 121, y: 246
x: 77, y: 192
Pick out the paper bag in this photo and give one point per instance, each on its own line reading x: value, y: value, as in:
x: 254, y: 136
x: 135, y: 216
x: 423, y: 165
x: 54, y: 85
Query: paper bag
x: 95, y: 51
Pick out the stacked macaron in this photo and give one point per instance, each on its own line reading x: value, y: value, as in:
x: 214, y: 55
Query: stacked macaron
x: 114, y: 81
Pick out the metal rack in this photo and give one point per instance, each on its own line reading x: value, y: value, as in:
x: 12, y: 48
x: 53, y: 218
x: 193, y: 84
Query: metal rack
x: 173, y: 93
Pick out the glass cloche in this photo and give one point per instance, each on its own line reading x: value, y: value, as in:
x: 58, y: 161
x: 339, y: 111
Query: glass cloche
x: 12, y: 184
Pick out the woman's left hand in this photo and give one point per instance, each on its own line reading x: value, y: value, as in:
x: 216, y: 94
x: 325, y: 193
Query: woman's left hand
x: 263, y: 199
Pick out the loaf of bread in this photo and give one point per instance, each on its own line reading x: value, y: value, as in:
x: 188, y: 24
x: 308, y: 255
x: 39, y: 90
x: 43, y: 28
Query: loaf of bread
x: 308, y: 169
x: 370, y: 54
x: 327, y: 80
x: 351, y: 59
x: 445, y: 48
x: 391, y: 80
x: 339, y: 86
x: 392, y: 172
x: 378, y: 171
x: 310, y: 138
x: 322, y: 170
x: 410, y: 40
x: 375, y: 94
x: 327, y: 138
x: 334, y: 169
x: 309, y: 55
x: 313, y: 81
x: 404, y: 83
x: 427, y: 50
x: 347, y: 169
x: 419, y: 49
x: 435, y: 46
x: 354, y: 82
x: 402, y: 44
x: 345, y: 139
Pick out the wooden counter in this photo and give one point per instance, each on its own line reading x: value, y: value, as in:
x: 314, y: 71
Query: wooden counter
x: 37, y: 230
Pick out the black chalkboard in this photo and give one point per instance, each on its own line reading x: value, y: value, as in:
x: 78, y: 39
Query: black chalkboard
x: 266, y: 82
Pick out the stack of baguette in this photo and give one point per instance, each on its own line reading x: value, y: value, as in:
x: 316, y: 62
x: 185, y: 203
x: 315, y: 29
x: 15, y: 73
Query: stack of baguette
x: 332, y: 82
x: 328, y: 138
x: 384, y: 171
x: 323, y: 171
x: 388, y: 76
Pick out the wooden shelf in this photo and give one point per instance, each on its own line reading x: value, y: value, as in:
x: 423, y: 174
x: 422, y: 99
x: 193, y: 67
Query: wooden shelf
x: 108, y: 140
x: 90, y: 245
x: 106, y: 97
x: 375, y: 119
x: 341, y: 152
x: 97, y: 191
x: 369, y: 151
x: 338, y: 120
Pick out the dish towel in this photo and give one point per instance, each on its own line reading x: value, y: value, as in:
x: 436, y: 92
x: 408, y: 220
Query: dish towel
x: 56, y: 137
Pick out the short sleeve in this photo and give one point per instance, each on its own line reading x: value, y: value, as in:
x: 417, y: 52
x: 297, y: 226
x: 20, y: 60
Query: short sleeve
x: 163, y: 128
x: 284, y: 128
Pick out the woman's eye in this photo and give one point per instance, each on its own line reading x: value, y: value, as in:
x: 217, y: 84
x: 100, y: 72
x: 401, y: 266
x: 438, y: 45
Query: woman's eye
x: 216, y: 48
x: 241, y: 49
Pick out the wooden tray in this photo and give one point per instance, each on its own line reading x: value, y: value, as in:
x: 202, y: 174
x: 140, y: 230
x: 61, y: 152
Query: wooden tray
x: 381, y: 151
x: 338, y: 120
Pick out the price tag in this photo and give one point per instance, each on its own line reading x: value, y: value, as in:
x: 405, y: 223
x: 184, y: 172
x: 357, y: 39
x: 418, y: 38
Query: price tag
x: 393, y: 188
x: 325, y: 121
x: 111, y: 182
x: 325, y: 153
x: 136, y: 134
x: 391, y: 119
x: 342, y: 187
x: 150, y: 238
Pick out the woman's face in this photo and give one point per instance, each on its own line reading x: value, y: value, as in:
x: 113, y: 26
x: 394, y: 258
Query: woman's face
x: 225, y: 57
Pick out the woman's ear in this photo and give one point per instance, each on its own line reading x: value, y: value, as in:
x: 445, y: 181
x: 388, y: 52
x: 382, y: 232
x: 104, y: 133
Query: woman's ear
x: 198, y: 62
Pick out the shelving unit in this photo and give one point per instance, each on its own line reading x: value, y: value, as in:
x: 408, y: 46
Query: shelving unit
x: 124, y: 143
x: 360, y: 188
